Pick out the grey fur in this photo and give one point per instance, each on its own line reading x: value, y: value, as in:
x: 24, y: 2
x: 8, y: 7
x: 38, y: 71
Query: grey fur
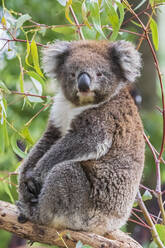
x: 85, y: 171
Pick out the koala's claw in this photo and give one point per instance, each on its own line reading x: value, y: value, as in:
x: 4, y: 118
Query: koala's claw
x: 34, y: 187
x: 22, y: 219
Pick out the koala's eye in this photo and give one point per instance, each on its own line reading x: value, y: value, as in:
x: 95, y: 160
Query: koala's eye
x: 73, y: 74
x: 99, y: 74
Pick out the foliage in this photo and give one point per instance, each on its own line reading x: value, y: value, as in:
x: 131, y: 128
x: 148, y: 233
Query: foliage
x: 25, y: 96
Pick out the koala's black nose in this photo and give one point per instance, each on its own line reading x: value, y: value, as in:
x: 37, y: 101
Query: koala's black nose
x: 84, y: 81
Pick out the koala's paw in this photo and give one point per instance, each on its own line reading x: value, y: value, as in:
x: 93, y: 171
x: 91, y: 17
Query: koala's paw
x: 33, y: 188
x: 22, y: 219
x: 27, y: 212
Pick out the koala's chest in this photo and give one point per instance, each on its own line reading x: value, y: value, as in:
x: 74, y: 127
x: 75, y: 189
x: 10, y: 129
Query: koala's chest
x: 63, y: 112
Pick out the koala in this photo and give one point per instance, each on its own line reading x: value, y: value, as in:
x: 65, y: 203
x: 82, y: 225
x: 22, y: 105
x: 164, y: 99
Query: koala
x: 84, y: 173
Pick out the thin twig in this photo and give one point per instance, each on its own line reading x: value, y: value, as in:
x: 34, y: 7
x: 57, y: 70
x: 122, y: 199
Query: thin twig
x: 149, y: 221
x: 26, y: 94
x: 77, y: 23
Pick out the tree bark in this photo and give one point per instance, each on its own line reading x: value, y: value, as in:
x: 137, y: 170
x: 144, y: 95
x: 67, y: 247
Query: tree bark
x: 62, y: 238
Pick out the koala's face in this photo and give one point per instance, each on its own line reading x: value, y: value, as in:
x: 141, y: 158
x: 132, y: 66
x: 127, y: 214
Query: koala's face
x: 92, y: 71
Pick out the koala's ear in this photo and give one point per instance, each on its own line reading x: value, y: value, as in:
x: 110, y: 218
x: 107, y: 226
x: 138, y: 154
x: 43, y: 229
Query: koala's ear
x: 54, y: 56
x: 126, y: 60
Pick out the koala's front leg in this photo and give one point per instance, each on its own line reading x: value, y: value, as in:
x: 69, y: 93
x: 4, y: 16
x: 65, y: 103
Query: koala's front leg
x: 74, y: 146
x: 27, y: 191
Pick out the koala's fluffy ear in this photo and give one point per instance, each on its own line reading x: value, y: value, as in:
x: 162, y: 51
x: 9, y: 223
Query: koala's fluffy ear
x: 54, y: 56
x: 126, y: 60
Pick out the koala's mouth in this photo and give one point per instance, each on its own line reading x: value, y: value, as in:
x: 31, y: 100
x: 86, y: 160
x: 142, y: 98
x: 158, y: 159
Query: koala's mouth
x: 86, y: 97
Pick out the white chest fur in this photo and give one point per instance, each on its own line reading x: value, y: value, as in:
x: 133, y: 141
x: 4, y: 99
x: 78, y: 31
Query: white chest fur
x: 63, y: 112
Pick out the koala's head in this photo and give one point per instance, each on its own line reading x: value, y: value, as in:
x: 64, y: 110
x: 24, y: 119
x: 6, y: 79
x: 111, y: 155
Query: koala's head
x: 92, y: 71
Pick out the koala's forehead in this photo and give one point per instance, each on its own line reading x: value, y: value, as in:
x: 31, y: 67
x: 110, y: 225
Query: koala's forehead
x: 88, y: 53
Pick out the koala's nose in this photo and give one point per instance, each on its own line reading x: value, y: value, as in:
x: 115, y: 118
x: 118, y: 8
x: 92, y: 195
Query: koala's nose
x: 84, y: 81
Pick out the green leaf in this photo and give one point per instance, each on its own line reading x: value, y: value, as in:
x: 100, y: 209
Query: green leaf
x: 34, y: 75
x: 27, y: 136
x: 64, y: 30
x: 84, y: 14
x: 121, y: 11
x: 37, y: 90
x: 95, y: 15
x: 15, y: 148
x: 7, y: 190
x: 137, y: 24
x: 62, y: 2
x: 114, y: 19
x: 3, y: 107
x: 34, y: 52
x: 161, y: 231
x: 3, y: 86
x: 5, y: 135
x: 21, y: 81
x: 146, y: 196
x: 21, y: 20
x: 154, y: 30
x: 27, y: 52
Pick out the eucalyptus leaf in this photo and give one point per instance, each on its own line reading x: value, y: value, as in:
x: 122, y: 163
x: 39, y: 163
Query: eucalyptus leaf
x: 34, y: 75
x: 34, y: 52
x: 4, y: 87
x: 22, y: 19
x: 95, y: 15
x: 15, y: 148
x: 161, y: 231
x: 155, y: 36
x: 146, y: 196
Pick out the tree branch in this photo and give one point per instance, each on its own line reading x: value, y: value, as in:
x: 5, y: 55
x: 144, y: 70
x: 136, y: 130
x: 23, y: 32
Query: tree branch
x: 62, y: 238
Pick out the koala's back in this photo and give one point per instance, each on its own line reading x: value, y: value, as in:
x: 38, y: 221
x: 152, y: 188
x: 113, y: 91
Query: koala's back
x: 115, y: 177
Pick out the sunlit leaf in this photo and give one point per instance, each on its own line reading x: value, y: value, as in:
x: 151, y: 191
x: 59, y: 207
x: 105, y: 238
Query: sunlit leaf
x: 22, y: 19
x: 154, y: 30
x: 27, y: 51
x: 21, y: 80
x: 161, y: 231
x: 3, y: 21
x: 27, y: 136
x: 136, y: 23
x: 34, y: 52
x: 67, y: 11
x: 95, y: 15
